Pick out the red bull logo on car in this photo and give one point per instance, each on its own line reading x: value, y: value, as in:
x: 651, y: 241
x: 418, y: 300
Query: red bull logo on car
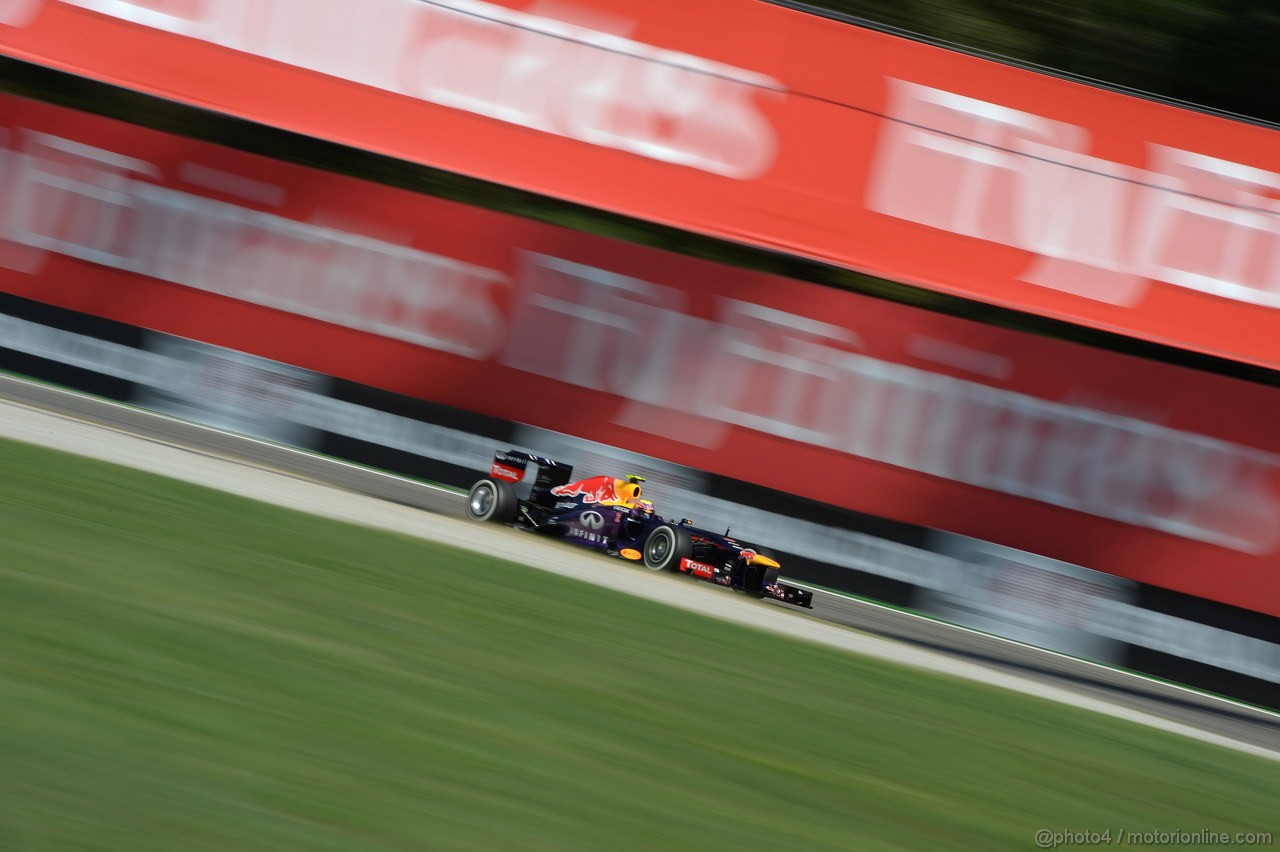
x: 604, y: 490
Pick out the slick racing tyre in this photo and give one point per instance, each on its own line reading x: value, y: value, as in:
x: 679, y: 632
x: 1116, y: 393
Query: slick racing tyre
x: 492, y: 500
x: 665, y: 547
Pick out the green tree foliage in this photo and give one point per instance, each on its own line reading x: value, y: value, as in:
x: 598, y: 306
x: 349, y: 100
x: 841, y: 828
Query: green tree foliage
x: 1214, y: 53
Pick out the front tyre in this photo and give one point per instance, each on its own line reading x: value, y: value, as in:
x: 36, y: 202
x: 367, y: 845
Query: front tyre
x: 665, y: 547
x: 492, y: 500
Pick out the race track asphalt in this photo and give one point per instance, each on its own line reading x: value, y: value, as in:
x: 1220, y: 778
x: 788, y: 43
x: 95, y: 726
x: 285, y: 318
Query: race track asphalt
x: 908, y: 636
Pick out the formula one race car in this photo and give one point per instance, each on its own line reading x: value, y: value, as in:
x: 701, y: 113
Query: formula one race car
x: 609, y: 514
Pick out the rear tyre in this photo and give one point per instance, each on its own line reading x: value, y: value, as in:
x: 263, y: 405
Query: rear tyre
x: 493, y: 500
x: 665, y: 547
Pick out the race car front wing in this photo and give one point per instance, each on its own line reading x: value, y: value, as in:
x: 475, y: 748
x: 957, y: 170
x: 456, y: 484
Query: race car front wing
x: 790, y: 594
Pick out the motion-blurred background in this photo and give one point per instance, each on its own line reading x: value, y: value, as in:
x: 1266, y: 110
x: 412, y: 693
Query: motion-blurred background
x: 966, y: 306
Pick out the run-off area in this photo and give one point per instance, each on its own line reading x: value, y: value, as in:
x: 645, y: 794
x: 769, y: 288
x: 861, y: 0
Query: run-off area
x: 191, y: 668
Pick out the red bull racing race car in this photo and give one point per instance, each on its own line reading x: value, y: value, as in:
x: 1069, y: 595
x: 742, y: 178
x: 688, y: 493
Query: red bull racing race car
x: 611, y: 515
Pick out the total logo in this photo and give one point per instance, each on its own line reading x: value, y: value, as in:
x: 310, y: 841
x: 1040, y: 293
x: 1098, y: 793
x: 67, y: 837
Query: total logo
x: 697, y: 569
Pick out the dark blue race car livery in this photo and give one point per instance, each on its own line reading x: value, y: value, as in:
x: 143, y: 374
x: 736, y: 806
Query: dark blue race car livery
x: 610, y: 514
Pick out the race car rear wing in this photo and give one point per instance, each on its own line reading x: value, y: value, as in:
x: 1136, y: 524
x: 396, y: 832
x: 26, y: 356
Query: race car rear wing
x: 510, y: 466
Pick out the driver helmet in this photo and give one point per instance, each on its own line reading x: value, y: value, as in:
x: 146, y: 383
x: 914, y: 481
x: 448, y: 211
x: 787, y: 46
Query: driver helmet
x: 645, y: 507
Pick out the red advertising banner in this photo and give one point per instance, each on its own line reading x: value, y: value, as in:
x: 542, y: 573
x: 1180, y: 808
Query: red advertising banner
x: 1144, y: 470
x: 783, y: 130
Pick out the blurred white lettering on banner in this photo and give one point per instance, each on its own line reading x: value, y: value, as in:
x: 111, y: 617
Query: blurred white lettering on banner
x: 803, y: 379
x: 18, y: 13
x: 758, y: 367
x: 523, y: 68
x: 99, y: 206
x: 1100, y: 230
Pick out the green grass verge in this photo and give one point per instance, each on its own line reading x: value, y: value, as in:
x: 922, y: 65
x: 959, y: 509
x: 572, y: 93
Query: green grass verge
x: 187, y: 670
